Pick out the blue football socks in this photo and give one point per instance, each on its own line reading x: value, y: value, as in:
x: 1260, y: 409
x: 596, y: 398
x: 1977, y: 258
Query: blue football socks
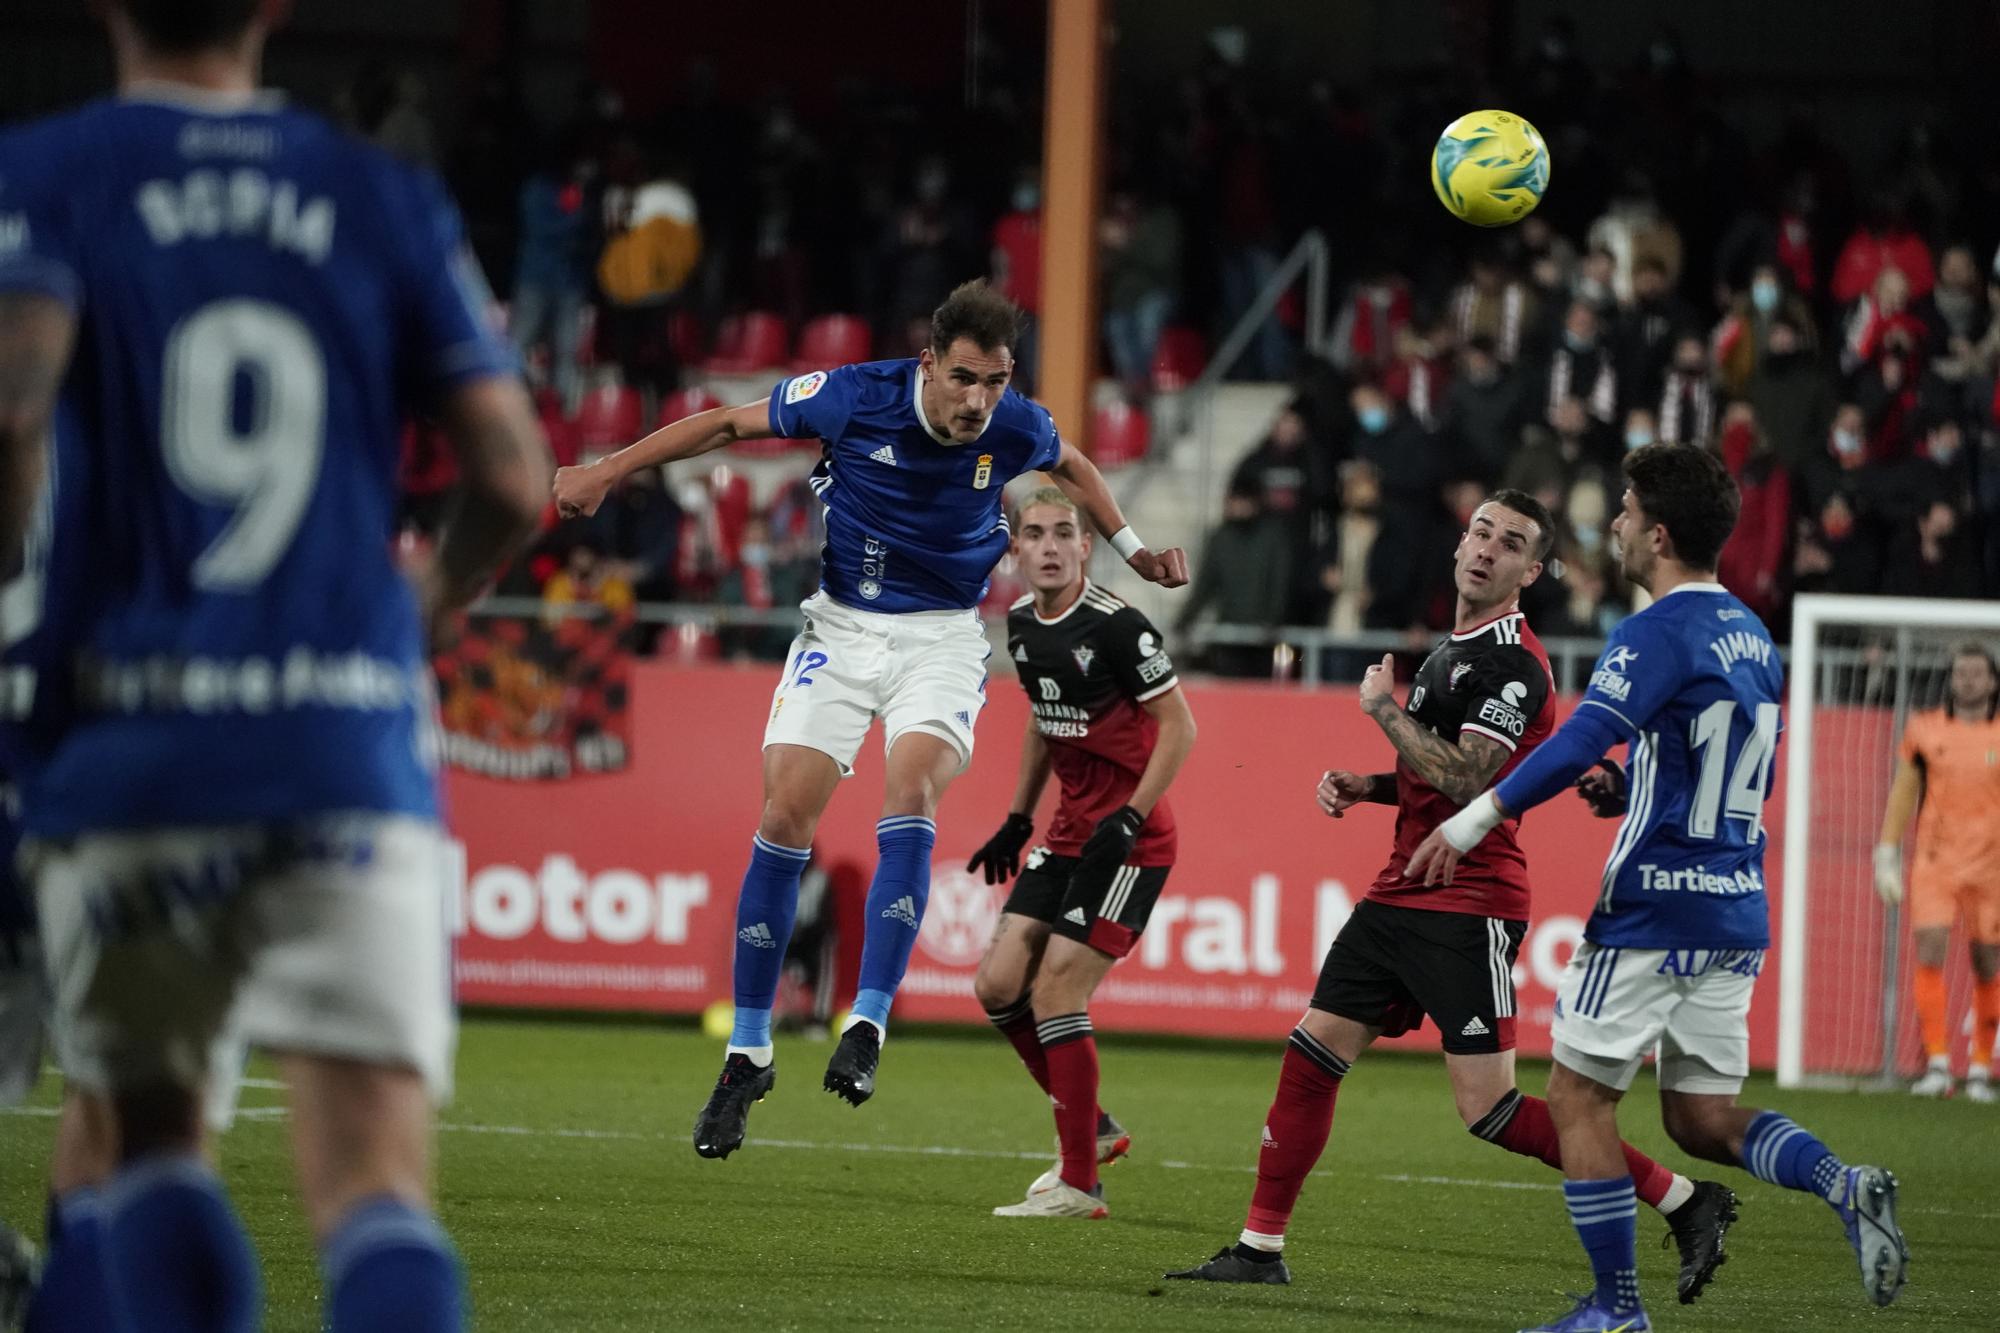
x: 764, y: 913
x: 895, y: 909
x: 389, y: 1268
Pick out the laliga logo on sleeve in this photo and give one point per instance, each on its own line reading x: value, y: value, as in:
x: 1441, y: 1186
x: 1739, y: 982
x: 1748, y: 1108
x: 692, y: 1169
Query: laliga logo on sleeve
x: 805, y: 386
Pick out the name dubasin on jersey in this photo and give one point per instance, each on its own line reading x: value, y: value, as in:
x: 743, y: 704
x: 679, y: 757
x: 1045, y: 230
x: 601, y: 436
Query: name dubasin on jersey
x: 1693, y: 683
x: 914, y: 522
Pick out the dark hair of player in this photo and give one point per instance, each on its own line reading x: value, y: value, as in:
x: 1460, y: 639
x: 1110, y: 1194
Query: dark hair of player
x: 1528, y: 507
x: 181, y: 27
x: 1974, y: 648
x: 976, y: 312
x: 1687, y: 489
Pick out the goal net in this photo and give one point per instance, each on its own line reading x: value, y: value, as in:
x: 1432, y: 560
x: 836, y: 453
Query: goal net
x: 1860, y: 666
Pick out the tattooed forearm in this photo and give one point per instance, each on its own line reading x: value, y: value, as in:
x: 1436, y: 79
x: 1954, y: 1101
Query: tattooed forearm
x: 1459, y: 771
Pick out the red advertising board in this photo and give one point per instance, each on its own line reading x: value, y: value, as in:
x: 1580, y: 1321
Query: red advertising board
x: 617, y: 891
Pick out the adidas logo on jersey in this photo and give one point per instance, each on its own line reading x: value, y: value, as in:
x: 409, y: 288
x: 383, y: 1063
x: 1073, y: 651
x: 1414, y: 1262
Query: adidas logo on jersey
x: 884, y: 455
x: 758, y: 936
x: 1075, y: 916
x: 1475, y: 1029
x: 904, y: 909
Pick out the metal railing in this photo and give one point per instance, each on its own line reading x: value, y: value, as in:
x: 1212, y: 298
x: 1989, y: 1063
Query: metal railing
x: 1312, y: 257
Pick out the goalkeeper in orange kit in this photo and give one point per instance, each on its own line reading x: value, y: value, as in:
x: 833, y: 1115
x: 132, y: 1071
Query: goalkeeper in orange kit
x: 1950, y: 774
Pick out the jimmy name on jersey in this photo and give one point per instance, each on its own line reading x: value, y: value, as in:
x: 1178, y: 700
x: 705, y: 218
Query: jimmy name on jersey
x: 260, y: 298
x: 1693, y: 683
x: 914, y: 522
x: 1089, y: 673
x: 1492, y: 680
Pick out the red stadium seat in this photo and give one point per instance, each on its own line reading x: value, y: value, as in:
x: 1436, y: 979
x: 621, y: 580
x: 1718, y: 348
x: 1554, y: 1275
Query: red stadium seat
x: 611, y: 418
x: 1178, y: 360
x: 730, y: 490
x: 832, y: 340
x: 748, y: 344
x: 688, y: 338
x: 1121, y: 434
x: 684, y: 403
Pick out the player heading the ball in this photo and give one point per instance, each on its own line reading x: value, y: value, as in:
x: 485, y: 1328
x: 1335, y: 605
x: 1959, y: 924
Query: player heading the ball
x: 915, y: 457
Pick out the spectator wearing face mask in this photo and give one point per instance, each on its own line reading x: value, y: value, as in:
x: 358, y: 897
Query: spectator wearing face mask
x: 1687, y: 412
x: 1483, y: 412
x: 1792, y: 394
x: 1752, y: 564
x: 1641, y: 428
x: 1579, y: 366
x: 1839, y: 537
x: 1405, y: 459
x: 1744, y: 334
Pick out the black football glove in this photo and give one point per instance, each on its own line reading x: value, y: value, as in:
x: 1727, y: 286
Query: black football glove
x: 1111, y: 842
x: 1605, y: 803
x: 1001, y: 856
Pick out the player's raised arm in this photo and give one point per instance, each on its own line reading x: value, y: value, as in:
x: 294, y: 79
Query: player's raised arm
x: 580, y: 490
x: 36, y: 332
x: 1082, y: 482
x: 1460, y: 772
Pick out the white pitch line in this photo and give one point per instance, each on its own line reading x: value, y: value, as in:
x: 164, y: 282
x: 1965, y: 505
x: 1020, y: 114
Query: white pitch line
x: 274, y: 1114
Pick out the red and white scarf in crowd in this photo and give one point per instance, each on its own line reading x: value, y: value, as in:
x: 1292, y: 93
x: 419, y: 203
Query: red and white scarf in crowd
x: 1600, y: 398
x: 1687, y: 409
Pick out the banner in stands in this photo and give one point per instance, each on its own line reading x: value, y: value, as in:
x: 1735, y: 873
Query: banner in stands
x: 618, y: 891
x: 523, y: 700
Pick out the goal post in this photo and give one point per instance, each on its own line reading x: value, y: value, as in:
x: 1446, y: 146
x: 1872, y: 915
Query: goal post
x: 1859, y: 667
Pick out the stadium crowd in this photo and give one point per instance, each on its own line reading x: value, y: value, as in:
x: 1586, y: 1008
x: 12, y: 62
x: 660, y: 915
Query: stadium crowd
x: 1836, y: 341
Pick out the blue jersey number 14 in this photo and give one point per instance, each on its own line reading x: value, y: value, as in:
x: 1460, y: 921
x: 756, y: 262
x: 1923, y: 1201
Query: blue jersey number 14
x: 1749, y: 777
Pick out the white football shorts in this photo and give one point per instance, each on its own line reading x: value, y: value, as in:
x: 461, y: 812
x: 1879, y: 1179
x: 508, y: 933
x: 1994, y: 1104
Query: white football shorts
x: 169, y: 949
x: 1691, y: 1007
x: 917, y: 671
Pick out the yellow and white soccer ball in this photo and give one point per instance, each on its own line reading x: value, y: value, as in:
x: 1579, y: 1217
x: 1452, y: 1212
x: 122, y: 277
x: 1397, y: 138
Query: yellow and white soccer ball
x: 1490, y: 168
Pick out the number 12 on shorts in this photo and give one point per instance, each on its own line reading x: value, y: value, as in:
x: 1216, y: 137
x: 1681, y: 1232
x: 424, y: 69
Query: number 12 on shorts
x: 804, y: 665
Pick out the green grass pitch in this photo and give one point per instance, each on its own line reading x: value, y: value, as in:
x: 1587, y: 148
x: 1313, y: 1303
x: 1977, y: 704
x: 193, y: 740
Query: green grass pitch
x: 568, y: 1180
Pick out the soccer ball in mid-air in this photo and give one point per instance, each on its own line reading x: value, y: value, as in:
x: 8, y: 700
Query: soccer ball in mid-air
x: 1490, y: 168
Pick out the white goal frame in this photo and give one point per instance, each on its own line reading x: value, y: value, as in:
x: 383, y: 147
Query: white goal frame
x: 1810, y: 613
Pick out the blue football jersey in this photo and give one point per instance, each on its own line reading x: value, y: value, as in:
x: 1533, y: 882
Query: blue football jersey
x: 260, y: 300
x: 1693, y: 683
x: 914, y: 522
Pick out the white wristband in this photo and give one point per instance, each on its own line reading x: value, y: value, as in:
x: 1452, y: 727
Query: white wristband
x: 1465, y: 829
x: 1126, y: 542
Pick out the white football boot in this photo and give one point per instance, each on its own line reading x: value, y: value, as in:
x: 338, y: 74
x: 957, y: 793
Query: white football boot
x: 1979, y: 1086
x: 1061, y: 1200
x: 1937, y: 1080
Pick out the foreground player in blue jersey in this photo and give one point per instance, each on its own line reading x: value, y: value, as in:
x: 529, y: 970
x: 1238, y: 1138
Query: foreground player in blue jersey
x: 229, y: 802
x: 915, y: 458
x: 1674, y: 946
